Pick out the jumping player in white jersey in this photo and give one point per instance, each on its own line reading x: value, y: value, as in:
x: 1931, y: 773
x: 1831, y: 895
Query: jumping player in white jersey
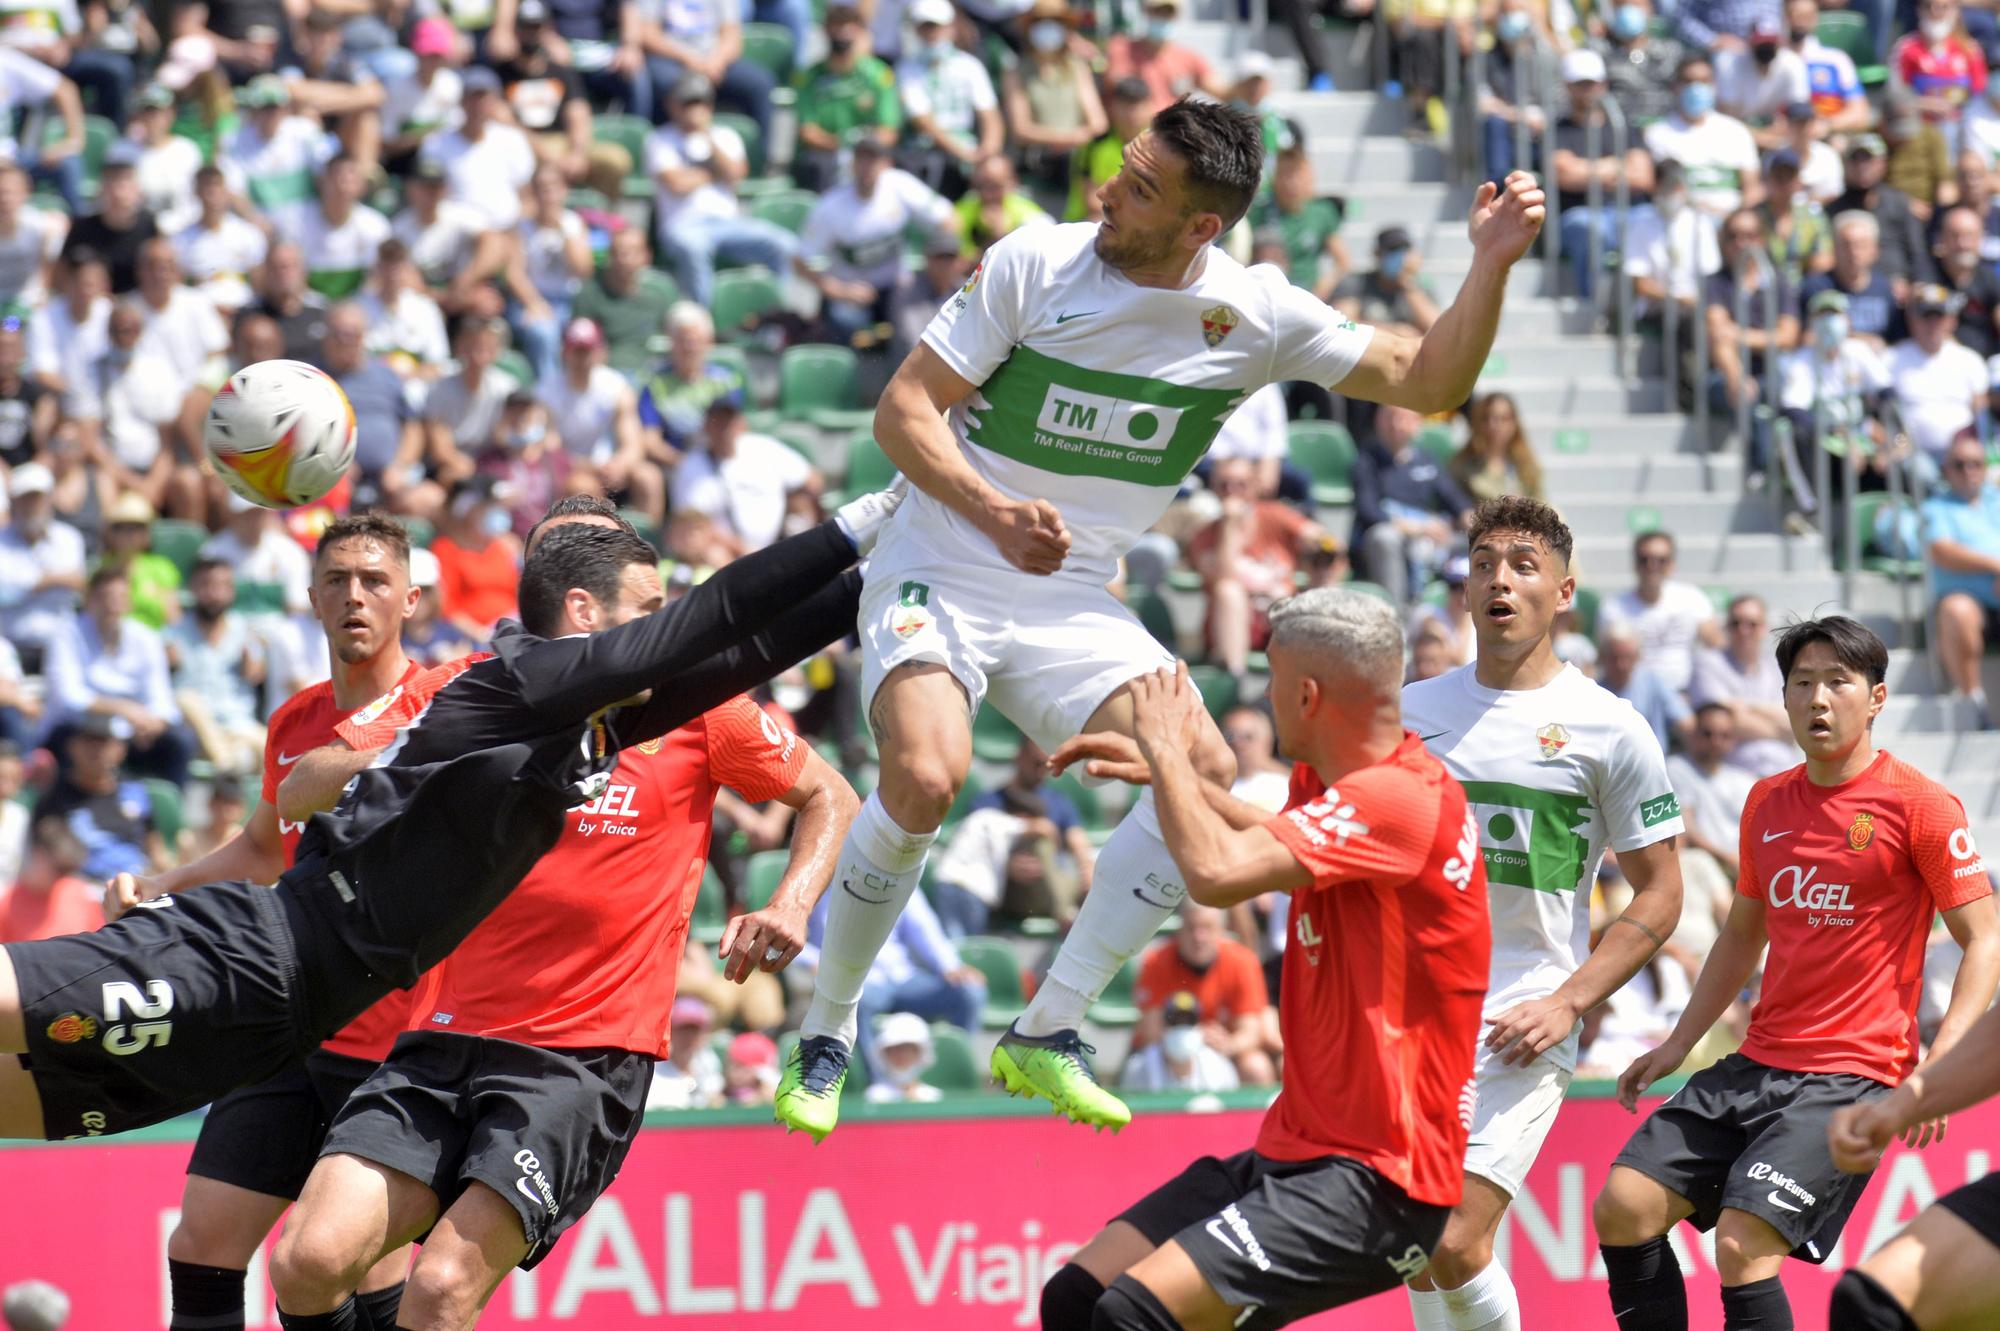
x: 1045, y: 421
x: 1557, y: 769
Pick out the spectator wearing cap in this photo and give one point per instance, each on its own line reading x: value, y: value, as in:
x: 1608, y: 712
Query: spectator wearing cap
x: 48, y: 900
x: 1962, y: 531
x: 1963, y: 271
x: 555, y: 258
x: 1638, y: 64
x: 920, y: 293
x: 102, y: 662
x: 280, y: 293
x: 1940, y: 383
x: 1227, y: 982
x: 1798, y: 235
x: 1738, y: 350
x: 1721, y: 25
x: 902, y: 1055
x: 485, y: 161
x: 166, y: 162
x: 462, y: 407
x: 479, y: 557
x: 549, y: 100
x: 109, y: 814
x: 628, y: 300
x: 1407, y: 509
x: 1128, y: 108
x: 424, y: 100
x: 690, y: 1076
x: 329, y: 82
x: 120, y: 225
x: 1181, y: 1059
x: 405, y: 325
x: 1050, y: 95
x: 1619, y: 669
x: 703, y: 38
x: 1169, y: 69
x: 219, y: 251
x: 849, y: 95
x: 218, y: 666
x: 1585, y: 151
x: 995, y: 207
x: 595, y: 413
x: 451, y: 242
x: 1755, y: 83
x: 1831, y: 389
x: 155, y: 581
x: 746, y: 482
x: 428, y: 637
x: 1316, y: 258
x: 851, y: 248
x: 388, y: 440
x: 1833, y: 85
x: 1904, y: 253
x: 1669, y: 618
x: 1941, y: 65
x: 1389, y: 294
x: 272, y: 156
x: 1715, y: 150
x: 125, y: 414
x: 41, y: 564
x: 1820, y: 170
x: 1515, y: 72
x: 695, y: 165
x: 750, y: 1070
x: 1247, y: 558
x: 336, y: 232
x: 951, y: 115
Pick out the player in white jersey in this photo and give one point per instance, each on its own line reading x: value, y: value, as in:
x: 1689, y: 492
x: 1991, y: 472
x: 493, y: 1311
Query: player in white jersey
x: 1045, y: 420
x: 1557, y: 770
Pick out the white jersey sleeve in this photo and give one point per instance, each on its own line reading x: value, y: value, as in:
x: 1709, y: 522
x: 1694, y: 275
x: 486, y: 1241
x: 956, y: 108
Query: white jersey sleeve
x: 1635, y: 798
x: 978, y: 328
x: 1311, y: 340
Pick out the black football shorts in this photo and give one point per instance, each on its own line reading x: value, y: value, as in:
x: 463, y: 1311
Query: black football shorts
x: 267, y: 1137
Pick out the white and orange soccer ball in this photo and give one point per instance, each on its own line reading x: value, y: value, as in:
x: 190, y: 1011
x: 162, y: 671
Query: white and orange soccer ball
x: 280, y: 433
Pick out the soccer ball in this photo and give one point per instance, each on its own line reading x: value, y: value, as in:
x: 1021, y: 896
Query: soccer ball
x: 280, y: 433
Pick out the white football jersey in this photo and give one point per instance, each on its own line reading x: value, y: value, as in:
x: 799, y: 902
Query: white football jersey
x: 1100, y: 395
x: 1554, y: 775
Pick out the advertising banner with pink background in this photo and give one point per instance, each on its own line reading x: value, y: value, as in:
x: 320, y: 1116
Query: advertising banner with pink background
x: 923, y: 1221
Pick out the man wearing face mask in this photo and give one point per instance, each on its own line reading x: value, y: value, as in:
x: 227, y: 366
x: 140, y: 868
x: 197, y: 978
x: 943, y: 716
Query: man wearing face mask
x: 1831, y: 388
x: 1715, y: 150
x: 1734, y: 376
x: 1638, y: 65
x: 1180, y: 1060
x: 1577, y: 161
x: 1169, y: 69
x: 1389, y: 293
x: 849, y: 95
x: 951, y: 110
x: 1756, y: 84
x: 1516, y: 72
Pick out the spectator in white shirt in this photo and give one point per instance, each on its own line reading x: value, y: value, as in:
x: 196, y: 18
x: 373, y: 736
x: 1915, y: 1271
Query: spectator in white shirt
x: 696, y: 164
x: 462, y: 408
x: 746, y: 483
x: 951, y: 112
x: 167, y: 162
x: 126, y: 416
x: 485, y: 162
x: 271, y: 158
x: 1181, y: 1059
x: 30, y: 239
x: 220, y: 252
x: 1260, y: 432
x: 1261, y: 779
x: 452, y: 243
x: 852, y: 244
x: 68, y: 333
x: 1755, y: 83
x: 405, y: 326
x: 1669, y: 617
x: 41, y: 565
x: 1712, y: 793
x: 1715, y: 150
x: 336, y: 232
x: 254, y: 543
x: 596, y: 412
x: 1940, y: 383
x: 552, y: 258
x: 1670, y: 248
x: 424, y: 101
x: 103, y: 661
x: 1742, y: 676
x: 182, y: 329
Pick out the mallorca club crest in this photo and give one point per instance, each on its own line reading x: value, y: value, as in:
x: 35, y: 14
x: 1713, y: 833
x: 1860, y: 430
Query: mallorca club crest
x: 1861, y: 831
x: 1554, y: 738
x: 1218, y: 323
x: 72, y: 1027
x: 649, y: 747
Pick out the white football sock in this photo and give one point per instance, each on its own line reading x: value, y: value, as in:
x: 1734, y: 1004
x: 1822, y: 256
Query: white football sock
x: 1135, y: 886
x: 1486, y: 1302
x: 880, y: 865
x: 1427, y: 1309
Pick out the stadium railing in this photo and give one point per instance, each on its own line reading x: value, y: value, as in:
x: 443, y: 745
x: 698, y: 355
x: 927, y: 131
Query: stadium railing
x: 1621, y: 291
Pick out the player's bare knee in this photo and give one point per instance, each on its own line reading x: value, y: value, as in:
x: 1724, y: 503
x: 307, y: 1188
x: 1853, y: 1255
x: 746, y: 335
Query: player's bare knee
x: 206, y: 1240
x: 921, y: 792
x: 1459, y: 1258
x: 1743, y: 1245
x: 1256, y: 1069
x: 1620, y: 1213
x: 310, y: 1269
x: 443, y: 1291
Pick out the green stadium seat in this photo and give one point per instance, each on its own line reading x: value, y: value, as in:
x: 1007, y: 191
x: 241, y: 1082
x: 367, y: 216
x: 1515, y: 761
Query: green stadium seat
x: 1218, y: 687
x: 762, y: 873
x: 753, y: 137
x: 1326, y: 451
x: 1863, y: 510
x: 422, y: 531
x: 994, y: 738
x: 629, y: 133
x: 1587, y: 603
x: 801, y: 439
x: 1846, y: 30
x: 817, y: 378
x: 582, y: 196
x: 1436, y: 440
x: 769, y: 45
x: 743, y: 295
x: 1115, y: 1006
x: 731, y: 358
x: 516, y: 366
x: 260, y: 598
x: 955, y: 1066
x: 788, y: 209
x: 1006, y: 997
x: 1088, y: 806
x: 868, y: 467
x: 169, y: 817
x: 752, y: 188
x: 710, y: 909
x: 1374, y: 589
x: 1719, y: 597
x: 179, y: 541
x: 1157, y: 618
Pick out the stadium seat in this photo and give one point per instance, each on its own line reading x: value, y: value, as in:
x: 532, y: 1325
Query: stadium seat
x: 741, y: 295
x: 1088, y: 806
x: 731, y: 358
x: 868, y: 467
x: 787, y: 208
x: 1326, y: 451
x: 762, y: 873
x: 169, y: 818
x: 1863, y: 510
x: 801, y: 439
x: 260, y: 598
x: 516, y: 366
x: 582, y: 196
x: 710, y: 909
x: 629, y: 133
x: 753, y: 137
x: 1847, y: 30
x: 769, y: 45
x: 956, y: 1066
x: 820, y: 383
x: 178, y: 541
x: 1586, y: 605
x: 1006, y: 998
x: 1218, y: 687
x: 1115, y: 1006
x: 1436, y: 440
x: 422, y: 531
x: 1153, y: 612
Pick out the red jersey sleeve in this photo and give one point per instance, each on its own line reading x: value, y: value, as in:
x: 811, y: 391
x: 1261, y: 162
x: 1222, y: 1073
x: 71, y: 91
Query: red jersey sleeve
x: 749, y: 752
x: 1749, y: 883
x: 377, y: 723
x: 1941, y: 848
x: 1378, y: 826
x: 1909, y: 58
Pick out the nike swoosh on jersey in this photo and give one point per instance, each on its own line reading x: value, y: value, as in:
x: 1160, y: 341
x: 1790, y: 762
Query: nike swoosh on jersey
x: 1769, y: 837
x: 1065, y: 318
x: 1783, y: 1205
x: 1215, y: 1231
x: 1425, y: 739
x: 287, y: 759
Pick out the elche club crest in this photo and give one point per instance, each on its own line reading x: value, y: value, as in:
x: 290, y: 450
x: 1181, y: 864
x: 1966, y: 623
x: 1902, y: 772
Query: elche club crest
x: 1553, y: 738
x: 1861, y: 831
x: 1217, y: 324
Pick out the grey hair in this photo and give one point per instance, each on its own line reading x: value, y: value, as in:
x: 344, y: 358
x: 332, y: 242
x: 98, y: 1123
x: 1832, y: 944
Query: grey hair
x: 1858, y: 220
x: 1337, y: 624
x: 1618, y: 633
x: 690, y: 315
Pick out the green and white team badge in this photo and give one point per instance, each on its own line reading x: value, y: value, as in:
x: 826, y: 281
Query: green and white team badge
x: 1554, y: 738
x: 912, y: 614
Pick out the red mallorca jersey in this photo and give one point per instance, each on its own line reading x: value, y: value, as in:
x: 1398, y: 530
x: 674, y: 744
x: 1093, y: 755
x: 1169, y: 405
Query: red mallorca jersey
x: 1385, y: 973
x: 1849, y: 876
x: 303, y: 722
x: 584, y: 954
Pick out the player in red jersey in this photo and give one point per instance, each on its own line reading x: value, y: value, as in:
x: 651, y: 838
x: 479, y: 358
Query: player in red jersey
x: 1361, y: 1158
x: 498, y: 1121
x: 1844, y: 861
x: 258, y: 1144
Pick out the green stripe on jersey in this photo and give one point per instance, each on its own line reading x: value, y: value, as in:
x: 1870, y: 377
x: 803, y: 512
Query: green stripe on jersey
x: 1530, y: 838
x: 1066, y: 419
x: 337, y: 283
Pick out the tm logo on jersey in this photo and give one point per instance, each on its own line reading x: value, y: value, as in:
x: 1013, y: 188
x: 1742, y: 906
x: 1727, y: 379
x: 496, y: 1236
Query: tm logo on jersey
x: 1530, y: 838
x: 1092, y: 418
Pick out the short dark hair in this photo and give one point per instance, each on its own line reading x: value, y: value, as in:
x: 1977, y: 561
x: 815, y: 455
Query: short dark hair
x: 207, y: 562
x: 1701, y: 58
x: 1710, y: 707
x: 108, y: 573
x: 1854, y: 645
x: 1530, y: 517
x: 593, y: 559
x: 1656, y: 534
x: 579, y: 506
x: 1221, y: 151
x: 370, y: 524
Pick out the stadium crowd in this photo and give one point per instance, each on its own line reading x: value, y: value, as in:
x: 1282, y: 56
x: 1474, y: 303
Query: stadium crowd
x: 669, y: 253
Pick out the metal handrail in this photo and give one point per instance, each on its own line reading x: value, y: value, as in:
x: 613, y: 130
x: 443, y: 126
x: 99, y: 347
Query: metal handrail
x: 1546, y: 72
x: 1767, y: 291
x: 1458, y: 157
x: 1900, y: 475
x: 1621, y: 142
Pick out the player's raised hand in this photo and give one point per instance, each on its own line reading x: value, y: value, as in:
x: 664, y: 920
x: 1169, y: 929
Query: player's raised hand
x: 1106, y: 755
x: 1030, y: 533
x: 1644, y: 1071
x: 1166, y: 711
x: 124, y: 891
x: 763, y: 940
x: 1857, y: 1135
x: 1522, y: 1033
x: 1507, y: 218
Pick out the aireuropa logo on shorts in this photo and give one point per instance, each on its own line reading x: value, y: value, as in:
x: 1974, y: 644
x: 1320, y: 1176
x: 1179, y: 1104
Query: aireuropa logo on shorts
x: 533, y: 1183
